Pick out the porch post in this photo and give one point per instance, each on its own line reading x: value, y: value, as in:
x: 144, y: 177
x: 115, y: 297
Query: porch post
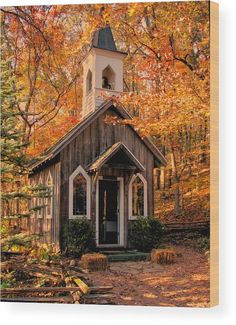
x: 93, y: 199
x: 128, y: 177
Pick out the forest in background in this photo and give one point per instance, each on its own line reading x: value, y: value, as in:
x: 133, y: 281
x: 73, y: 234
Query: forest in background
x: 167, y: 90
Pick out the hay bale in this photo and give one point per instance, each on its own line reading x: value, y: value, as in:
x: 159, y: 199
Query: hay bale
x: 163, y: 256
x: 94, y: 262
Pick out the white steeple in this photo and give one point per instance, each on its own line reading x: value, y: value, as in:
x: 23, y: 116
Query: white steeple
x: 102, y: 71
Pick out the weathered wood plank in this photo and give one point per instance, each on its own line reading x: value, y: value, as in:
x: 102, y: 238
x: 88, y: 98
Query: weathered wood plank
x: 91, y: 142
x: 9, y: 291
x: 66, y: 299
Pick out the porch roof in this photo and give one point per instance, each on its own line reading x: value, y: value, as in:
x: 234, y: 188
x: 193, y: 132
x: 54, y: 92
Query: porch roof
x: 110, y: 153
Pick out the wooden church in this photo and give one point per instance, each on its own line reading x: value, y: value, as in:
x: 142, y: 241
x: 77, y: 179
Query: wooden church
x: 98, y: 170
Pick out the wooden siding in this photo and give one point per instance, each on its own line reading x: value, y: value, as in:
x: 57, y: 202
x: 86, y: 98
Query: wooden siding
x: 48, y: 228
x: 85, y: 148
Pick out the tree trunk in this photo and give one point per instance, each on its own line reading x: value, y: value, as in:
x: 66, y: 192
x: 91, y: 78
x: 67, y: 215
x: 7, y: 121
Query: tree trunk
x: 176, y: 183
x: 162, y: 178
x: 177, y: 200
x: 170, y: 178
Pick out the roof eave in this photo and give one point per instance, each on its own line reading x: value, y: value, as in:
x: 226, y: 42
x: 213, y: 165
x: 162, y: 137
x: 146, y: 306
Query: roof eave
x: 109, y: 50
x: 54, y: 150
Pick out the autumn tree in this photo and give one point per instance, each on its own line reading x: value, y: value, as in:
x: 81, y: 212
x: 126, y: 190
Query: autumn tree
x: 14, y: 161
x: 39, y: 44
x: 167, y: 77
x: 166, y: 81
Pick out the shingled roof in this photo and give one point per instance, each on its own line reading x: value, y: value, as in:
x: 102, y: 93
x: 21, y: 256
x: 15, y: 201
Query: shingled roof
x: 76, y: 130
x: 103, y: 39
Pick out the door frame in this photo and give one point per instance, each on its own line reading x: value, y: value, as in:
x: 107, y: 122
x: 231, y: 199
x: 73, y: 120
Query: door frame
x: 121, y: 214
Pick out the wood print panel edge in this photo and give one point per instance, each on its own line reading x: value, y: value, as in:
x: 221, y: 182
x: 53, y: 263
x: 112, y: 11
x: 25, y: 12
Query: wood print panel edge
x: 214, y: 152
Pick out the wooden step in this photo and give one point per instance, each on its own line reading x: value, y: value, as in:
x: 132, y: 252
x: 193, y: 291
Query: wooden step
x: 124, y: 257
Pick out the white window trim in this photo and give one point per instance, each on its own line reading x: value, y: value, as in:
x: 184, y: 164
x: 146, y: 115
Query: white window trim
x: 40, y: 216
x: 33, y: 202
x: 80, y: 170
x: 113, y: 85
x: 49, y: 216
x: 88, y: 90
x: 131, y: 217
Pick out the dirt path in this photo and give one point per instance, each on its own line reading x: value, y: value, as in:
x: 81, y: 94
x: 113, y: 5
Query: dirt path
x: 185, y: 283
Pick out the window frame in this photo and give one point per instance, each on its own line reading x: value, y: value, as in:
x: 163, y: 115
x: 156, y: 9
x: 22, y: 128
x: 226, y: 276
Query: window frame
x: 112, y: 80
x: 144, y: 181
x: 33, y: 201
x: 80, y: 170
x: 49, y: 216
x: 40, y: 212
x: 89, y: 81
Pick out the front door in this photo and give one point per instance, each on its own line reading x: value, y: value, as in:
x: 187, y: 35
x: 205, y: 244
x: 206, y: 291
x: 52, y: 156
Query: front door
x: 109, y: 214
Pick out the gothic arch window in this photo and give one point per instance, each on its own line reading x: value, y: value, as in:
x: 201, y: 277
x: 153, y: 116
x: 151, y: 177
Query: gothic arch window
x: 108, y: 78
x: 89, y: 81
x: 40, y: 200
x: 79, y: 194
x: 137, y: 197
x: 49, y: 199
x: 32, y: 201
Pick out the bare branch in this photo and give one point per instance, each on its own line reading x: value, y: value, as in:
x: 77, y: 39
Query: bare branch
x: 175, y: 57
x: 26, y: 18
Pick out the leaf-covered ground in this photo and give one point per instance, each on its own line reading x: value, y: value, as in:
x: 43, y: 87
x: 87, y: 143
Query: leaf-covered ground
x: 194, y: 202
x: 185, y: 283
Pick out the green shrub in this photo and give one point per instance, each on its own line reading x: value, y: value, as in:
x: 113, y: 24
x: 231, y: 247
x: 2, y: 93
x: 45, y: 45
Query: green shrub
x: 145, y: 233
x: 7, y: 280
x: 78, y: 237
x: 4, y: 229
x: 44, y: 252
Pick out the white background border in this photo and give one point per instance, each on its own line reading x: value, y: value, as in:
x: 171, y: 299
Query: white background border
x: 225, y: 313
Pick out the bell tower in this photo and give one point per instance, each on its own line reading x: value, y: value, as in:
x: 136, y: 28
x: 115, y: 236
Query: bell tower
x: 102, y: 71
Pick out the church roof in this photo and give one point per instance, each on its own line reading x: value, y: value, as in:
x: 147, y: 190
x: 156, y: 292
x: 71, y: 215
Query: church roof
x: 103, y: 39
x: 83, y: 124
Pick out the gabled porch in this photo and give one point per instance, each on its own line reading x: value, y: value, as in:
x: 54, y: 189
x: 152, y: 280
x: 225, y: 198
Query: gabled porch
x: 111, y: 201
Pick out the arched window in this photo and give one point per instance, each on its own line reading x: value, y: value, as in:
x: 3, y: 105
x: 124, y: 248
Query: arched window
x: 89, y: 81
x: 40, y: 200
x: 49, y: 199
x: 32, y: 201
x: 79, y: 194
x: 137, y: 197
x: 108, y: 78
